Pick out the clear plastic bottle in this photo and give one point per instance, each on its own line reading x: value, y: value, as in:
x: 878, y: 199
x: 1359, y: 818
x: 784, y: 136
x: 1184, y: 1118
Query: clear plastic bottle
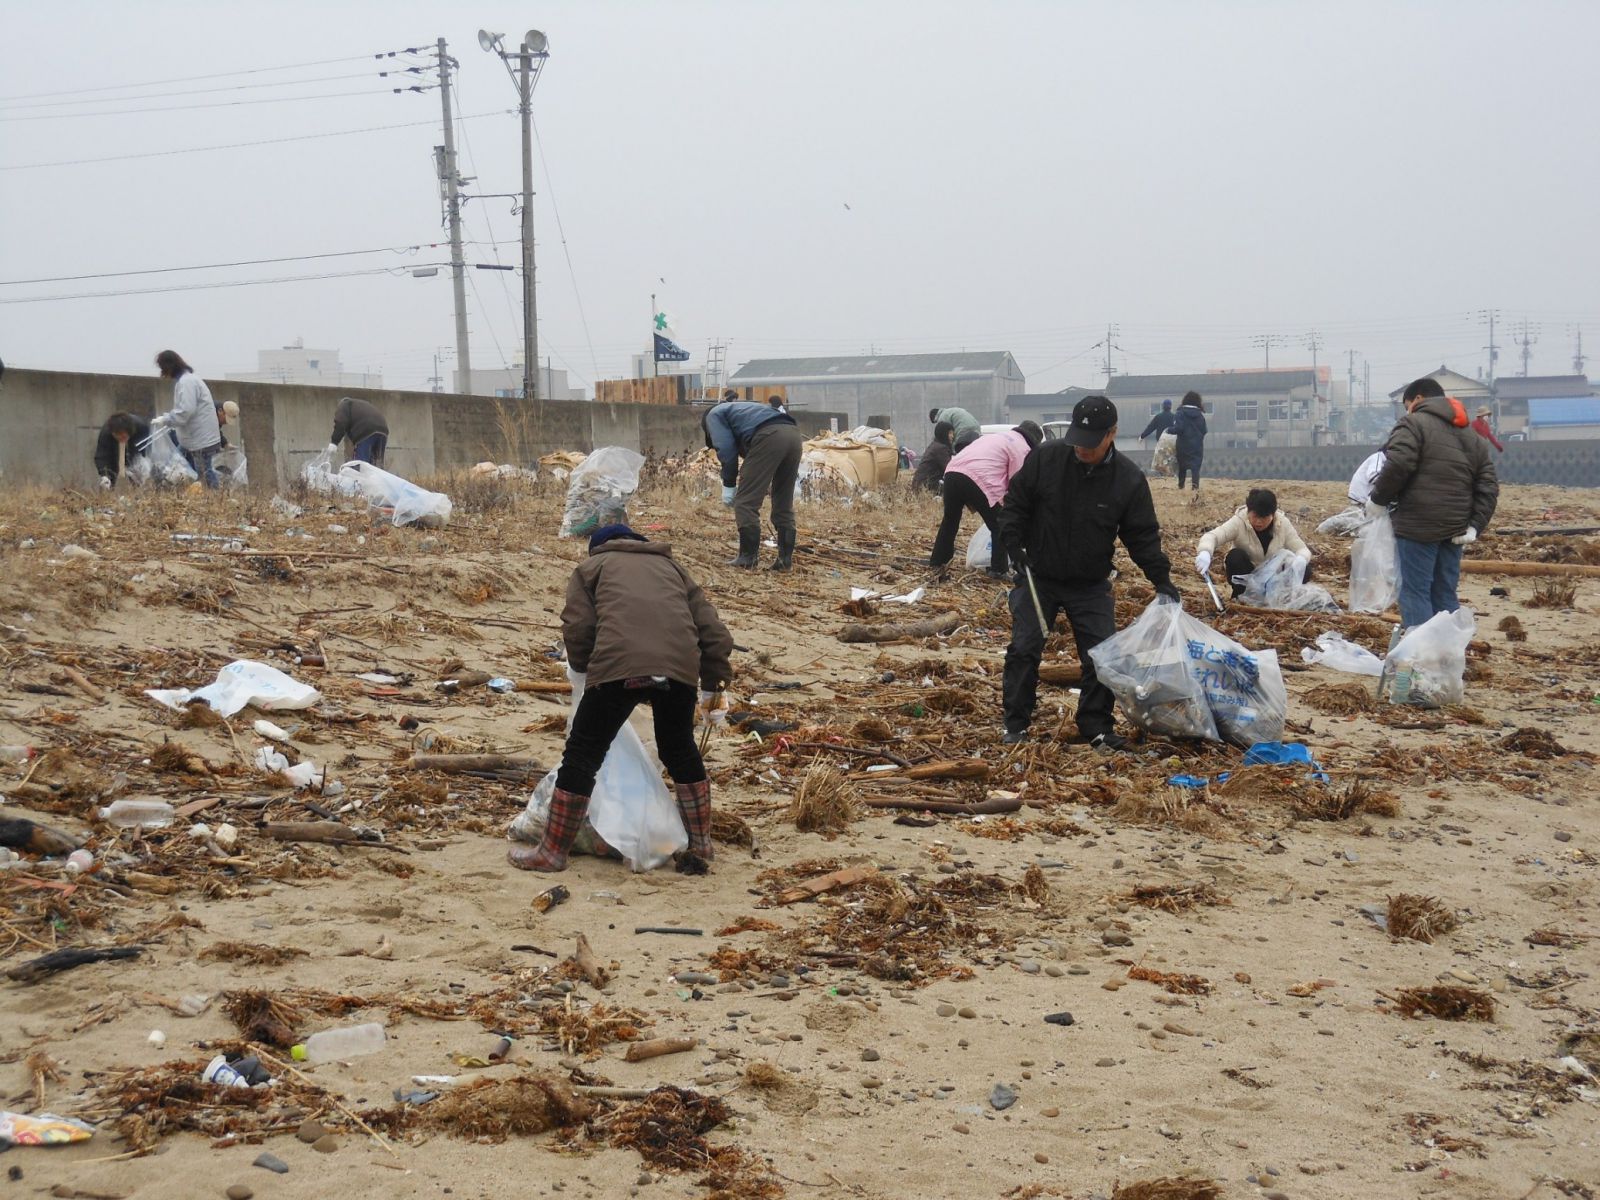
x: 332, y: 1045
x: 138, y: 814
x: 15, y: 754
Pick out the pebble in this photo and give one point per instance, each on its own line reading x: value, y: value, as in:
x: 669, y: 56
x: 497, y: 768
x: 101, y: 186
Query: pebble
x: 645, y: 1179
x: 272, y: 1163
x: 966, y: 1013
x: 1105, y: 1062
x: 871, y: 1083
x: 1077, y: 969
x: 1116, y: 864
x: 1050, y: 1112
x: 1001, y: 1097
x: 1030, y: 967
x: 1115, y: 937
x: 310, y: 1130
x: 1274, y: 1195
x: 1054, y: 971
x: 869, y: 1056
x: 961, y: 1128
x: 1041, y: 1158
x: 1561, y: 835
x: 326, y: 1144
x: 238, y: 1192
x: 946, y: 1010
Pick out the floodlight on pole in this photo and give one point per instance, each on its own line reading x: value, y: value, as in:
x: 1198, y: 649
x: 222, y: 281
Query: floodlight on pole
x: 489, y: 41
x: 536, y: 42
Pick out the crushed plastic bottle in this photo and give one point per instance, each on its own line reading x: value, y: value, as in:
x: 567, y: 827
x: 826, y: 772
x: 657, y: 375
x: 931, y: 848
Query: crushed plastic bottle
x: 138, y: 814
x: 16, y: 754
x: 332, y: 1045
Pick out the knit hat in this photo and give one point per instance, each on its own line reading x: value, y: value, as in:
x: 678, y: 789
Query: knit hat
x: 609, y: 533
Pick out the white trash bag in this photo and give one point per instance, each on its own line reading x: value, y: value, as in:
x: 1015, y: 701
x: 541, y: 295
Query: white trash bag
x: 1374, y: 567
x: 232, y: 467
x: 1428, y: 666
x: 598, y: 490
x: 1164, y: 460
x: 240, y: 683
x: 163, y: 462
x: 1346, y: 523
x: 980, y: 549
x: 402, y: 500
x: 1174, y: 675
x: 1334, y: 652
x: 631, y: 809
x: 1279, y: 582
x: 322, y: 475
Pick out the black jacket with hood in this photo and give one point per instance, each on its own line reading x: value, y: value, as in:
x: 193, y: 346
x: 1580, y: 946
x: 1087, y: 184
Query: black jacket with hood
x: 1437, y: 473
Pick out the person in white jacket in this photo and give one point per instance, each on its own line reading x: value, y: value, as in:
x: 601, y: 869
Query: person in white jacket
x: 1249, y: 536
x: 193, y: 417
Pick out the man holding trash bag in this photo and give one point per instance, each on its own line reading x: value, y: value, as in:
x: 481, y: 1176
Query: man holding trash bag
x: 1440, y: 478
x: 1063, y: 513
x: 642, y: 632
x: 769, y: 441
x: 364, y: 425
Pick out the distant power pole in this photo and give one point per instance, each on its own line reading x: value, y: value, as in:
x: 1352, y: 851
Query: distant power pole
x: 1490, y: 315
x: 1349, y: 392
x: 1110, y: 343
x: 1266, y: 341
x: 451, y: 178
x: 1528, y: 340
x: 1577, y: 351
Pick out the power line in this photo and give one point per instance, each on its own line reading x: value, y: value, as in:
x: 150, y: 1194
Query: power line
x: 304, y: 137
x: 123, y: 87
x: 562, y: 232
x: 127, y: 112
x: 197, y: 287
x: 235, y: 87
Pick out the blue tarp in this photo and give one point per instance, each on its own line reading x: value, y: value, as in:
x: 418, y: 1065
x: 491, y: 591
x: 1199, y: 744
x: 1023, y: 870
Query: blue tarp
x: 1564, y: 410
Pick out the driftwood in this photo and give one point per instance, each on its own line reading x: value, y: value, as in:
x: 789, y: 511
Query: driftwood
x: 959, y: 768
x: 959, y: 807
x: 1546, y: 530
x: 588, y: 964
x: 329, y: 832
x: 856, y: 750
x: 834, y: 880
x: 656, y: 1047
x: 64, y: 960
x: 546, y: 687
x: 1501, y: 566
x: 472, y: 764
x: 893, y: 632
x: 1061, y: 674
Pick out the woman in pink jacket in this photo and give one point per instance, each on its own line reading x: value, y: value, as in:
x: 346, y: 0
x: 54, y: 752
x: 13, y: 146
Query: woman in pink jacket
x: 977, y: 478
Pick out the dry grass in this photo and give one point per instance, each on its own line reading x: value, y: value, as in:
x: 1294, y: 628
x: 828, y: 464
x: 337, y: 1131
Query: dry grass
x: 1173, y: 897
x: 1553, y: 593
x: 1342, y: 699
x: 825, y: 802
x: 491, y: 1110
x: 1445, y: 1003
x: 1419, y: 918
x: 252, y: 953
x: 1168, y: 1188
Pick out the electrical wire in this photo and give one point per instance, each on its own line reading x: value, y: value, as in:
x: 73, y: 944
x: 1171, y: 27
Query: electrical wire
x: 123, y: 87
x: 236, y: 87
x: 126, y: 112
x: 472, y: 161
x: 561, y: 230
x: 197, y: 287
x: 304, y: 137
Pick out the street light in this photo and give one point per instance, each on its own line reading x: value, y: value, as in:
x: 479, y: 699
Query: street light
x: 530, y: 59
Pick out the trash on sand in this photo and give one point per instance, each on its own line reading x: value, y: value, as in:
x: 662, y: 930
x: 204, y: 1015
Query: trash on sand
x: 403, y: 501
x: 1279, y: 582
x: 330, y: 1045
x: 1428, y: 665
x: 1374, y: 567
x: 321, y: 475
x: 41, y: 1129
x: 270, y: 731
x: 1334, y: 652
x: 598, y: 490
x: 241, y: 683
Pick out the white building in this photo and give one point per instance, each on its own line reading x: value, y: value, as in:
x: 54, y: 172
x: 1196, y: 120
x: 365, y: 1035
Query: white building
x: 314, y: 368
x: 506, y: 383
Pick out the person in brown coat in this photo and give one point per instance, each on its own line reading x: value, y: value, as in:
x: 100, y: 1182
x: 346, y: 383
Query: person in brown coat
x: 642, y: 632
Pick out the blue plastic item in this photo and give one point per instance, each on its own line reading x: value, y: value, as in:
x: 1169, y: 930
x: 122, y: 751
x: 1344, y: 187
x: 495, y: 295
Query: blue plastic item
x: 1281, y: 753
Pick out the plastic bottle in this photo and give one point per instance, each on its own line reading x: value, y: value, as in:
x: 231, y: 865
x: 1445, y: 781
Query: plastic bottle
x: 333, y: 1044
x: 219, y: 1072
x: 138, y: 814
x: 15, y: 754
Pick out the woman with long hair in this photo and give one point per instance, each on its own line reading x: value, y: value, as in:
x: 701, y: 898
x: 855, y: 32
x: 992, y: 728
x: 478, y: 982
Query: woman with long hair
x: 193, y: 417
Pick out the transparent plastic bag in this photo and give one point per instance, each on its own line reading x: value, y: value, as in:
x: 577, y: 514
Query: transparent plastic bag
x: 1164, y: 460
x: 980, y: 549
x: 1174, y: 675
x: 598, y: 490
x: 404, y: 501
x: 631, y: 810
x: 1279, y: 582
x: 1334, y: 652
x: 164, y: 461
x: 1428, y: 666
x: 1346, y: 523
x: 321, y: 475
x: 241, y: 683
x: 232, y: 467
x: 1374, y: 567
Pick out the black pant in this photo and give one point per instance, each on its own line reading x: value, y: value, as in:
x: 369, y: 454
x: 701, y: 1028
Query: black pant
x: 1092, y: 615
x: 1191, y: 465
x: 960, y: 494
x: 966, y: 439
x: 1237, y: 563
x: 600, y: 717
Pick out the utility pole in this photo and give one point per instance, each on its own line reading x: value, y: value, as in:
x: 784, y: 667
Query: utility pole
x: 451, y: 179
x: 1349, y: 393
x: 1314, y: 343
x: 530, y: 305
x: 1529, y: 339
x: 1491, y: 315
x: 1577, y: 351
x: 1267, y: 341
x: 1111, y: 333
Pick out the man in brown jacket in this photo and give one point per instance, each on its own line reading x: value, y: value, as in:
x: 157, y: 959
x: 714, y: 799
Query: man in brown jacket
x: 644, y: 633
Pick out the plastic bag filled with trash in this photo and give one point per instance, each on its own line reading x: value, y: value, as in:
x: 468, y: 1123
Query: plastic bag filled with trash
x: 232, y: 468
x: 1374, y: 567
x: 1174, y: 675
x: 631, y: 813
x: 1346, y: 523
x: 1428, y: 665
x: 322, y: 475
x: 980, y: 548
x: 402, y: 500
x: 162, y: 463
x: 598, y: 490
x: 1279, y: 582
x: 1164, y: 459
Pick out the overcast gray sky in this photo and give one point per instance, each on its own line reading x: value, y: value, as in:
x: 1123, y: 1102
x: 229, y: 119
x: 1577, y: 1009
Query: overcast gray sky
x: 1016, y: 174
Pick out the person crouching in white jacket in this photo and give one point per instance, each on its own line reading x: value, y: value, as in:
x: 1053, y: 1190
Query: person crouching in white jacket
x: 1249, y: 536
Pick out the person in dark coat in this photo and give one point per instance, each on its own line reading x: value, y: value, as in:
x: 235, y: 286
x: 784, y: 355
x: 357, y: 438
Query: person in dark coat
x: 930, y: 467
x: 1189, y: 427
x: 1439, y: 476
x: 759, y: 449
x: 364, y: 425
x: 1159, y: 423
x: 1063, y: 514
x: 121, y: 429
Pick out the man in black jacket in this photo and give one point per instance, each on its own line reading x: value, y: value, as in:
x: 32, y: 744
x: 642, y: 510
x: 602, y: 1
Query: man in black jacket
x: 122, y: 431
x: 1065, y: 510
x: 930, y: 467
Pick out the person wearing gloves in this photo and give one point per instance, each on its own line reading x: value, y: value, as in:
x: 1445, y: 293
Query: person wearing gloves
x: 935, y: 460
x: 976, y: 479
x: 362, y: 423
x: 118, y: 445
x: 967, y: 427
x: 1159, y: 423
x: 1064, y: 511
x: 1249, y: 537
x: 642, y: 632
x: 193, y: 417
x: 1189, y: 427
x: 1360, y: 489
x: 769, y: 441
x: 1439, y: 478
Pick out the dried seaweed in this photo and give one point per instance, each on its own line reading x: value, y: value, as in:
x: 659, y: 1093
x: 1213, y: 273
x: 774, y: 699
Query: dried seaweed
x: 1553, y: 593
x: 1169, y: 1188
x: 1445, y: 1002
x: 1534, y: 743
x: 825, y: 802
x: 1419, y: 918
x: 1174, y: 982
x: 250, y: 952
x: 1342, y: 699
x: 668, y: 1129
x: 1512, y: 628
x: 1174, y: 897
x: 492, y: 1110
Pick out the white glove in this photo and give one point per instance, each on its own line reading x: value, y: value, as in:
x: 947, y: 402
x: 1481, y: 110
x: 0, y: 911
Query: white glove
x: 105, y: 483
x: 713, y: 708
x: 1375, y: 510
x: 1202, y: 561
x: 160, y: 421
x: 1462, y: 539
x: 333, y: 448
x: 727, y: 496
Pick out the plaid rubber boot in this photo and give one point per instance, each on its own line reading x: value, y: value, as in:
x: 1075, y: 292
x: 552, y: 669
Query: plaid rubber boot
x: 694, y: 804
x: 561, y: 830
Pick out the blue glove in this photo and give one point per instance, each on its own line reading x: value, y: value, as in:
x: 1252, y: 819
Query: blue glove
x: 727, y: 496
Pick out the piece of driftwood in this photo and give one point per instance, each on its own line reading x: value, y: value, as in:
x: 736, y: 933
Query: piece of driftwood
x: 33, y: 838
x: 975, y: 808
x: 1501, y: 566
x: 1061, y: 674
x: 64, y: 960
x: 467, y: 764
x: 656, y: 1047
x: 79, y: 681
x: 809, y: 888
x: 957, y: 768
x: 856, y: 750
x: 328, y: 832
x: 894, y: 631
x: 588, y: 964
x: 546, y: 687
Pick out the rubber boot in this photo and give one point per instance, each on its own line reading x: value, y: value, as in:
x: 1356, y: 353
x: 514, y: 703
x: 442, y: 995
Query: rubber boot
x: 694, y: 806
x: 749, y: 545
x: 785, y: 559
x: 567, y: 812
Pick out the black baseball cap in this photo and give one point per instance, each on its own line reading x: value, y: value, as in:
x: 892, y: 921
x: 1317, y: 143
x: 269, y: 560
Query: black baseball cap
x: 1091, y: 418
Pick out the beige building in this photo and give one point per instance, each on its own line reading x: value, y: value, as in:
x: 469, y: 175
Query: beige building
x: 310, y: 367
